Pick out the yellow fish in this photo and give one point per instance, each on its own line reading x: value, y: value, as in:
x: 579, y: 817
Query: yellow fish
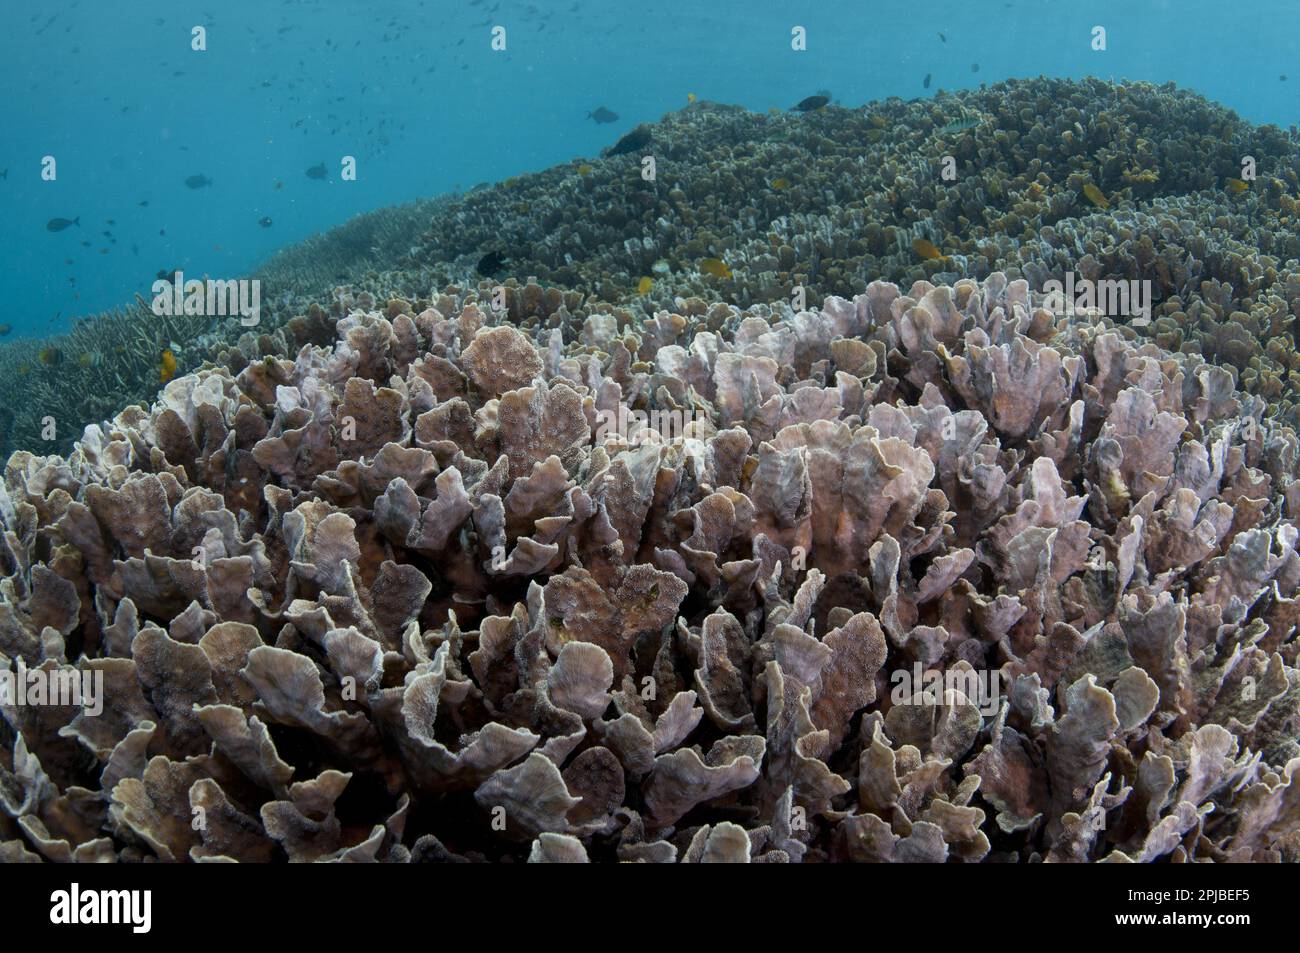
x: 1095, y: 196
x: 715, y: 267
x: 644, y: 285
x: 584, y: 169
x: 927, y: 250
x: 167, y: 369
x: 690, y: 97
x: 779, y: 184
x: 1237, y: 186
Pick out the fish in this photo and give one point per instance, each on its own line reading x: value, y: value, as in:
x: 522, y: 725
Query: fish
x: 167, y: 366
x: 690, y: 98
x: 1236, y: 186
x: 198, y: 181
x: 278, y: 185
x: 144, y: 203
x: 960, y: 124
x: 265, y: 221
x: 661, y: 267
x: 638, y: 138
x: 584, y: 169
x: 942, y: 38
x: 317, y: 172
x: 927, y: 249
x: 5, y: 173
x: 715, y: 267
x: 89, y: 358
x: 1095, y: 196
x: 925, y: 83
x: 644, y: 285
x: 602, y: 115
x: 974, y: 67
x: 1282, y: 78
x: 780, y: 184
x: 50, y: 356
x: 811, y: 103
x: 491, y: 263
x: 5, y: 329
x: 59, y: 224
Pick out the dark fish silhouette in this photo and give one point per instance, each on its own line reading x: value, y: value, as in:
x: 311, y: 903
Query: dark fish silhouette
x: 198, y: 181
x: 491, y: 263
x: 603, y: 115
x: 942, y: 38
x: 5, y: 329
x: 811, y: 103
x: 925, y: 83
x: 974, y: 67
x: 5, y: 173
x: 317, y: 172
x: 638, y: 138
x: 59, y: 224
x: 265, y: 221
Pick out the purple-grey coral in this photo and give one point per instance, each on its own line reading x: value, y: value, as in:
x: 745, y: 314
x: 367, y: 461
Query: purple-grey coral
x: 932, y: 574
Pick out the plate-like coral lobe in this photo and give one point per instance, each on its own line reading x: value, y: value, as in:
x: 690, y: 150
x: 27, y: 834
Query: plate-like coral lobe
x: 929, y: 574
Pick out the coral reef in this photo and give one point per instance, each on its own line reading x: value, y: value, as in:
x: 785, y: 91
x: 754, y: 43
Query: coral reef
x: 108, y: 361
x: 828, y: 200
x: 748, y: 207
x: 926, y: 574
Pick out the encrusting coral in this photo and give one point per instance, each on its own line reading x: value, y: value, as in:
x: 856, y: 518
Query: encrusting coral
x: 406, y: 598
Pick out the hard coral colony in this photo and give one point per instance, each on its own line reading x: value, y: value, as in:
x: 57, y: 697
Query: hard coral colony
x: 406, y: 564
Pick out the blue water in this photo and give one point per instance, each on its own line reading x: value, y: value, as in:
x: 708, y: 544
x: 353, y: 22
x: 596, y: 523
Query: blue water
x: 412, y: 89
